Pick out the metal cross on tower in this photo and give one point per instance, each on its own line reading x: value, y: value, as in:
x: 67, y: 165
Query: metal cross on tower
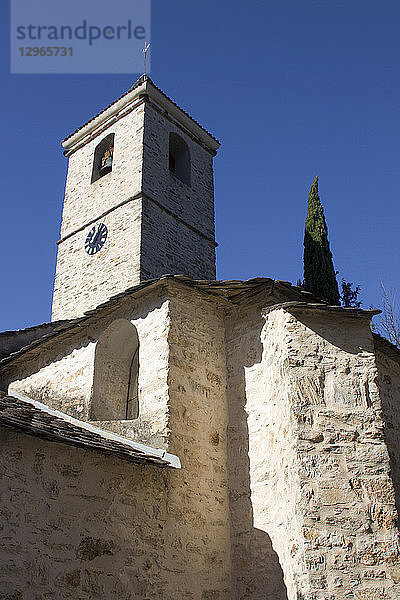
x: 145, y: 50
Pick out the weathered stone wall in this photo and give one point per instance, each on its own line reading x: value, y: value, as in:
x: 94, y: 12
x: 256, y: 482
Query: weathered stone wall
x: 335, y: 529
x: 305, y: 424
x: 170, y: 247
x: 351, y: 522
x: 83, y: 281
x: 172, y: 232
x: 388, y: 382
x: 64, y: 384
x: 287, y: 429
x: 256, y: 569
x: 60, y: 372
x: 274, y: 463
x: 193, y: 203
x: 84, y: 200
x: 178, y: 233
x: 181, y: 547
x: 79, y: 524
x: 198, y: 542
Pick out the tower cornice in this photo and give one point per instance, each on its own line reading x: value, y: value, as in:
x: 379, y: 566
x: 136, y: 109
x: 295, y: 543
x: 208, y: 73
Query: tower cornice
x: 141, y: 91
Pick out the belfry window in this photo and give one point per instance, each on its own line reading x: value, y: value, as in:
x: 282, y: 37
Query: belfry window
x: 179, y: 158
x: 116, y: 371
x: 103, y: 157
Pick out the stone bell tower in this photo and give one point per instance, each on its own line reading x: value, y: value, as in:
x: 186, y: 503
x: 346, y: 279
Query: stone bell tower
x: 139, y: 201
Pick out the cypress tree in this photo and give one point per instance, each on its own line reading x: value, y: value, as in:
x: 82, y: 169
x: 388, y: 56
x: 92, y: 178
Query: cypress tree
x: 319, y: 274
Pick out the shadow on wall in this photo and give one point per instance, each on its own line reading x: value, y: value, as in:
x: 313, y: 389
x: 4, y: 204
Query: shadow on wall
x: 116, y: 369
x: 343, y: 334
x: 388, y: 382
x: 104, y: 541
x: 392, y: 439
x: 256, y: 570
x: 54, y: 349
x: 261, y: 572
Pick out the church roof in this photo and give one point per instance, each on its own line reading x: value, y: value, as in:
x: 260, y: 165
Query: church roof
x: 326, y: 307
x: 12, y: 341
x: 34, y: 418
x: 233, y: 291
x: 148, y: 84
x: 386, y: 347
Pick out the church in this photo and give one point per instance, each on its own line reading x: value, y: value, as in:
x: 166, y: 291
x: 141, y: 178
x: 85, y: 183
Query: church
x: 170, y: 436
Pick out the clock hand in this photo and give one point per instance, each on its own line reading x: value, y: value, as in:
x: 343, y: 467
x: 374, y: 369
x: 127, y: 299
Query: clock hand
x: 96, y: 237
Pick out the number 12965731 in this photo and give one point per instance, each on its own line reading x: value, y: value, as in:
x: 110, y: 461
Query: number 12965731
x: 46, y: 51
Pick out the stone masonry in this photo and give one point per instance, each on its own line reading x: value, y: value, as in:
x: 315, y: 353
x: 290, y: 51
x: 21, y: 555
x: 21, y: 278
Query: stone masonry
x: 157, y: 224
x: 65, y: 381
x: 306, y: 425
x: 278, y: 415
x: 76, y: 523
x: 282, y: 411
x: 182, y: 409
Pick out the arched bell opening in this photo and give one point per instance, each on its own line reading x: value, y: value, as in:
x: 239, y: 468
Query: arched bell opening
x: 116, y: 371
x: 103, y: 157
x: 179, y: 158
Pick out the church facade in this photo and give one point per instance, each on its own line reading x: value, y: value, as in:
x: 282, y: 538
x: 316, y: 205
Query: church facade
x: 172, y: 436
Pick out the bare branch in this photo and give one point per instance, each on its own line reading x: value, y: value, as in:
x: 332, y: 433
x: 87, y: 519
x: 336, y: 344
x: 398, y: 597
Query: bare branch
x: 390, y: 318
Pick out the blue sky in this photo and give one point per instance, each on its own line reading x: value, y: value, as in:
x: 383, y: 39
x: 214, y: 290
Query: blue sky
x: 291, y: 89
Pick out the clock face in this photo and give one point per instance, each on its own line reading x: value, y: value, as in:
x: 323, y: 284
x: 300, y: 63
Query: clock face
x: 96, y: 238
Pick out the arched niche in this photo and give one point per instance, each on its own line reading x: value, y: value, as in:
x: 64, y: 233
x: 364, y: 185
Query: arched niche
x: 179, y: 158
x: 116, y: 370
x: 103, y: 157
